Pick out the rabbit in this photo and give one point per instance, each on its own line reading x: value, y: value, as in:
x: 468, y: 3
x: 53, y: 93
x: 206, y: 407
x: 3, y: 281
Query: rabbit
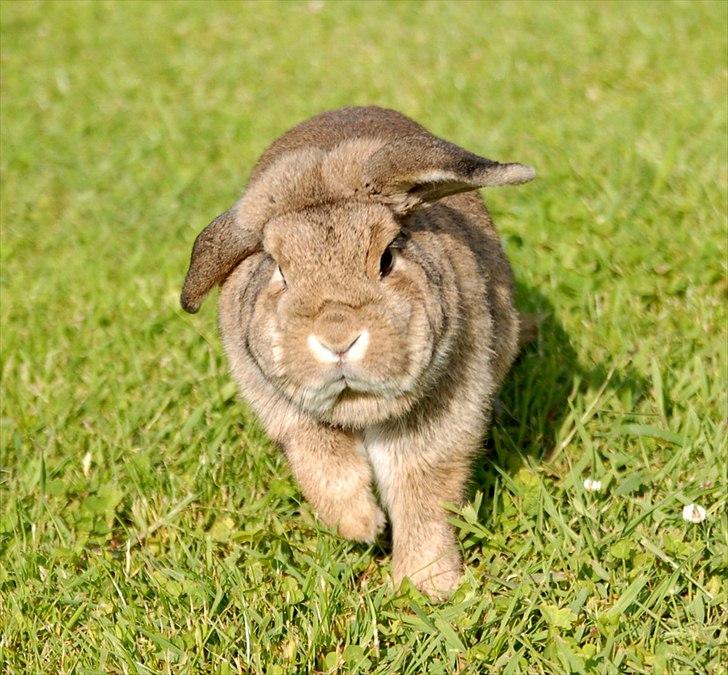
x: 366, y: 310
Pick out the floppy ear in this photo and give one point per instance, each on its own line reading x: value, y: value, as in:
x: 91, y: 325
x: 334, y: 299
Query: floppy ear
x: 216, y: 252
x: 420, y: 168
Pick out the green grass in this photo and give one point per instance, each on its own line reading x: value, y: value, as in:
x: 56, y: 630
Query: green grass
x: 183, y: 543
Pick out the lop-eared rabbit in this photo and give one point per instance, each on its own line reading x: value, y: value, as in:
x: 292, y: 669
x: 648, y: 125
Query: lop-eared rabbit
x: 367, y: 314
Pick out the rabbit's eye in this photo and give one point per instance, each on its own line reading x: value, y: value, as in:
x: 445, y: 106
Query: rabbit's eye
x: 386, y: 262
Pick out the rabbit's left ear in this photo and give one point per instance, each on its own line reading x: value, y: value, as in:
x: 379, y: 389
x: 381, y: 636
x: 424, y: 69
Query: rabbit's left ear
x: 217, y: 251
x: 421, y: 168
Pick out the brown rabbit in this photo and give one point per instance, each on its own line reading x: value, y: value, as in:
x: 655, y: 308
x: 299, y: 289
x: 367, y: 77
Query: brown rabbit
x: 367, y: 313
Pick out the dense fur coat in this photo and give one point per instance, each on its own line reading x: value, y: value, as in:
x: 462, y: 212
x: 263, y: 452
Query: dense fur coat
x: 367, y: 314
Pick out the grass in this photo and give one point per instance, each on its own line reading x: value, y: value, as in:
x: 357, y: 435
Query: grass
x: 147, y: 524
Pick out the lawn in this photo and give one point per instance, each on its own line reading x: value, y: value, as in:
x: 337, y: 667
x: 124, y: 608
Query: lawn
x: 146, y: 523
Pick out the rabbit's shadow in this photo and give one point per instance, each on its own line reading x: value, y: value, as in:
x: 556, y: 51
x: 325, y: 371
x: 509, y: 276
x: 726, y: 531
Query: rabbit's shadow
x: 534, y: 402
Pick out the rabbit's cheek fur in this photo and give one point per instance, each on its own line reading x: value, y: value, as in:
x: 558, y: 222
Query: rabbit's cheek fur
x: 393, y: 325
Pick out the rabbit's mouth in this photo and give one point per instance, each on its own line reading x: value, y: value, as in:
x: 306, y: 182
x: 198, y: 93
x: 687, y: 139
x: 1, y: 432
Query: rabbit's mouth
x: 347, y: 391
x: 356, y: 387
x: 350, y: 382
x: 345, y: 388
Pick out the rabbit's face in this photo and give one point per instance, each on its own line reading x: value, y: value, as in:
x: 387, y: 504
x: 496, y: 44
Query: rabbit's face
x: 343, y: 313
x: 348, y: 317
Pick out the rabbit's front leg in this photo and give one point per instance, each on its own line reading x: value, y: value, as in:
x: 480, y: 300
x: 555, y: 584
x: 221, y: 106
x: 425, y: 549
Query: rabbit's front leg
x: 335, y: 478
x: 415, y: 477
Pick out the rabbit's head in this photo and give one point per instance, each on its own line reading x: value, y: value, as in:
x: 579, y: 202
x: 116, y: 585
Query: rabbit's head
x: 350, y: 305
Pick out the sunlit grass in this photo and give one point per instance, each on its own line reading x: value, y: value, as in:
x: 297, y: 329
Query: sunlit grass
x: 148, y: 525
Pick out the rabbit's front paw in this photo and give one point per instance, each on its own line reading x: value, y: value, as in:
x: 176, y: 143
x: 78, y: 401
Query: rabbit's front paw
x: 358, y: 518
x: 363, y: 523
x: 435, y: 577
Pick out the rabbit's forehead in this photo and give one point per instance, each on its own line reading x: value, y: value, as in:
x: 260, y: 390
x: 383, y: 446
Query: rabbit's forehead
x: 329, y: 231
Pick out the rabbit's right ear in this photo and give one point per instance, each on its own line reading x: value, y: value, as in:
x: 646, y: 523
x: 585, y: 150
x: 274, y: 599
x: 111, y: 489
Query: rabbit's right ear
x: 421, y: 168
x: 217, y: 251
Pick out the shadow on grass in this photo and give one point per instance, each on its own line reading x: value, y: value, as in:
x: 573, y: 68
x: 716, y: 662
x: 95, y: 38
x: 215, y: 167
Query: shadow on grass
x: 534, y: 403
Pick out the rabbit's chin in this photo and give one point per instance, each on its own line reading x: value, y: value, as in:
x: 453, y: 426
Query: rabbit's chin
x: 352, y: 403
x: 359, y: 410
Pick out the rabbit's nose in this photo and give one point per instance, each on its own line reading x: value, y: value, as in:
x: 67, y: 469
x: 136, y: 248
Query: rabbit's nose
x: 331, y: 350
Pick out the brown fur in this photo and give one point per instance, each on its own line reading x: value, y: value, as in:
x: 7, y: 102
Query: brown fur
x: 299, y: 257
